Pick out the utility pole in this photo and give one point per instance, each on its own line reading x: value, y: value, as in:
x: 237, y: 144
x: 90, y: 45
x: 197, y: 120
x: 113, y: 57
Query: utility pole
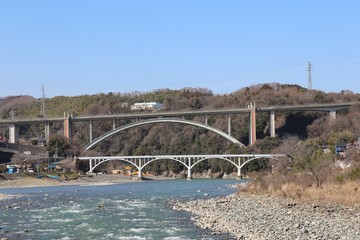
x: 42, y: 111
x: 309, y: 76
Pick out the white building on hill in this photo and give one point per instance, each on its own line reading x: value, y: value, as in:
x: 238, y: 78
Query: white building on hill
x: 145, y: 106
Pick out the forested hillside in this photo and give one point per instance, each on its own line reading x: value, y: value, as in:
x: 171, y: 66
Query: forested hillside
x: 180, y: 139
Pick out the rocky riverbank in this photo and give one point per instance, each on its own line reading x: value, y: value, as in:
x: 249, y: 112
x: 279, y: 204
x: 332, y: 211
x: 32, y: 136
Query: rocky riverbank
x: 247, y: 216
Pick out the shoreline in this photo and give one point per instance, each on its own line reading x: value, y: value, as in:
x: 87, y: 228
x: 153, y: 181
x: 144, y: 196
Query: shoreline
x: 98, y: 180
x: 22, y: 181
x: 250, y: 216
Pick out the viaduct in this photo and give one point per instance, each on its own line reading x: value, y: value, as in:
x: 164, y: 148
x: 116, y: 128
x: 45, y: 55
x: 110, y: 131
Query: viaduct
x: 179, y: 117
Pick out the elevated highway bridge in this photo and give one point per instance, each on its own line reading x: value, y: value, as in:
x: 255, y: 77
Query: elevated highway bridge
x: 158, y: 117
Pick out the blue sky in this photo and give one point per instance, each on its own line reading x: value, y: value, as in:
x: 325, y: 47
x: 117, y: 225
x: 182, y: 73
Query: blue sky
x: 77, y: 47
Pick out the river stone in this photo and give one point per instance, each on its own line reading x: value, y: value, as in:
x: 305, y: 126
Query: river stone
x: 249, y: 216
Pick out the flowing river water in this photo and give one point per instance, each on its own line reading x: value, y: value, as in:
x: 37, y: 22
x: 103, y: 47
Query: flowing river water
x: 136, y: 210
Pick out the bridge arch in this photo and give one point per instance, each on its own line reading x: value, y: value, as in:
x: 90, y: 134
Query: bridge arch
x: 254, y: 158
x: 161, y: 120
x: 92, y: 168
x: 240, y: 166
x: 208, y: 158
x: 170, y: 158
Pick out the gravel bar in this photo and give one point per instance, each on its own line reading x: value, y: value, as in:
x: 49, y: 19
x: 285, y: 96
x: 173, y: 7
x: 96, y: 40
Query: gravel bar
x: 247, y: 216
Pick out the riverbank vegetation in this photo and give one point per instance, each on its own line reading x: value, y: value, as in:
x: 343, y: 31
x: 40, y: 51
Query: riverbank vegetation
x: 314, y: 172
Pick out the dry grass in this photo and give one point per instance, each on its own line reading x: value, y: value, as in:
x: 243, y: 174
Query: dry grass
x: 299, y: 187
x: 347, y: 193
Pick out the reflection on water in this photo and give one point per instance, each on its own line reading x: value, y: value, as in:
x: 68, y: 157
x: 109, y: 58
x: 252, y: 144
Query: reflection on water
x: 123, y: 211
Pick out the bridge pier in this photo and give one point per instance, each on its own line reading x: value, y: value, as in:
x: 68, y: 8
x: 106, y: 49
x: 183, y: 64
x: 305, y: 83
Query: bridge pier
x: 67, y: 128
x: 229, y: 124
x: 140, y: 175
x: 239, y: 168
x: 90, y: 165
x: 189, y: 177
x: 91, y: 130
x: 47, y: 131
x: 252, y: 127
x: 272, y: 123
x: 139, y: 171
x: 332, y: 116
x: 239, y: 173
x: 13, y: 133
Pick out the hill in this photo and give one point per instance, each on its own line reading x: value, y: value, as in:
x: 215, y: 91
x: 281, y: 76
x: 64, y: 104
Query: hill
x: 7, y: 104
x: 179, y: 139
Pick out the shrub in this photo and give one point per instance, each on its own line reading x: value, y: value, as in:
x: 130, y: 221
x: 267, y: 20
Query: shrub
x: 354, y: 174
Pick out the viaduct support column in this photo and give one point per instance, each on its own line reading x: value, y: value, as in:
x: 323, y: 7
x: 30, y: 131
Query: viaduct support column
x: 91, y: 130
x: 114, y: 124
x: 272, y: 124
x: 90, y: 165
x: 239, y: 174
x: 47, y: 131
x: 67, y: 128
x: 239, y: 169
x: 332, y: 116
x: 13, y: 133
x: 189, y: 174
x: 139, y: 171
x: 252, y: 132
x: 229, y: 124
x: 189, y: 169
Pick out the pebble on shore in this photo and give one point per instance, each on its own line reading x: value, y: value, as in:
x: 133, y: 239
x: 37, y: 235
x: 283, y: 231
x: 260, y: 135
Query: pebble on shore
x: 247, y: 216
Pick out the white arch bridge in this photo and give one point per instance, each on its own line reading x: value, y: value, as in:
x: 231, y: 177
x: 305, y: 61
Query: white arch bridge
x: 189, y: 161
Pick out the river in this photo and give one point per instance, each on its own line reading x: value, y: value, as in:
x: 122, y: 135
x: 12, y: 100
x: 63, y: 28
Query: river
x: 128, y: 211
